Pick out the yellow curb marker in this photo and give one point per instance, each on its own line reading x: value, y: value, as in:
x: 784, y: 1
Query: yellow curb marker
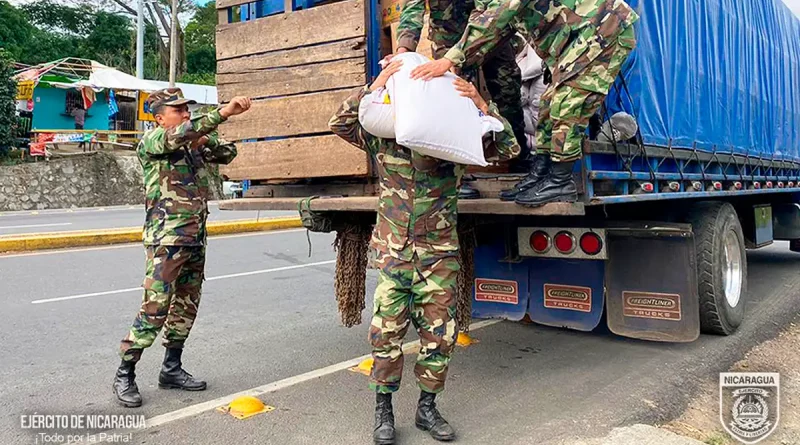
x: 465, y: 341
x: 365, y: 367
x: 244, y: 407
x: 59, y: 240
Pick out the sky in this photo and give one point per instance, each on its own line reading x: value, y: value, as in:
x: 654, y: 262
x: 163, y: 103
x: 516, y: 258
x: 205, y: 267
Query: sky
x: 794, y: 5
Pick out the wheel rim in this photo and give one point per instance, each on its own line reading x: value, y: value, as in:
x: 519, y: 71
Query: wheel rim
x: 732, y: 274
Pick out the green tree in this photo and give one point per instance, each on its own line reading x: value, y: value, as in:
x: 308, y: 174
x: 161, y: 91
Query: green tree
x: 8, y: 95
x: 15, y: 30
x: 201, y: 57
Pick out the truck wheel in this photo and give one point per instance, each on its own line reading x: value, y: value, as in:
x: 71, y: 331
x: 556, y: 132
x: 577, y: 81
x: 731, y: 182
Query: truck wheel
x: 721, y: 266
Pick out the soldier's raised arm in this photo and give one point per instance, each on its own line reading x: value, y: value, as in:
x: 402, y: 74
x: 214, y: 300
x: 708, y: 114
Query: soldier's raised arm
x: 410, y: 28
x: 484, y: 32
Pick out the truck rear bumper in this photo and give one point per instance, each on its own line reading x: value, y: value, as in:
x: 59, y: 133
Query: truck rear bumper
x: 370, y: 204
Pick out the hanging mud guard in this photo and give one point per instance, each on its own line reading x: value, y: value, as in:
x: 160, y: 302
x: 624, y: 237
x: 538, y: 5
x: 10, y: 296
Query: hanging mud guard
x: 651, y: 282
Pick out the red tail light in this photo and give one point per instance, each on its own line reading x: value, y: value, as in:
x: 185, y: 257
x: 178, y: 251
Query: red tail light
x: 769, y: 184
x: 591, y: 243
x: 737, y: 185
x: 540, y: 242
x: 756, y: 185
x: 780, y: 184
x: 564, y: 242
x: 717, y: 185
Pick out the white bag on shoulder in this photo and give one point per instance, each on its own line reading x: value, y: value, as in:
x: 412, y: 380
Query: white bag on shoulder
x: 376, y: 114
x: 433, y: 119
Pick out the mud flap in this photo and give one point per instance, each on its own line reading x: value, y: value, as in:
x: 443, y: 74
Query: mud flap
x: 566, y: 293
x: 651, y: 282
x: 501, y: 289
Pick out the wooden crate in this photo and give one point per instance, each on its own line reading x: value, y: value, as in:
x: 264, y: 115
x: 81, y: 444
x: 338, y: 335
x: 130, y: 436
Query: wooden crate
x: 298, y: 67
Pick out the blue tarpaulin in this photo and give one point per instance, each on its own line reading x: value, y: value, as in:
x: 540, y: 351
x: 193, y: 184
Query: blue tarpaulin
x: 724, y: 74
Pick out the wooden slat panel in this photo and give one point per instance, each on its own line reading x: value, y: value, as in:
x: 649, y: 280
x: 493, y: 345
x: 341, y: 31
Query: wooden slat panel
x: 348, y: 49
x: 294, y: 80
x: 337, y: 21
x: 285, y: 116
x: 311, y: 157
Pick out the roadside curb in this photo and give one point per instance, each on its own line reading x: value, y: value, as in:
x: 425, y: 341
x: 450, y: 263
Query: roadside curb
x: 60, y: 240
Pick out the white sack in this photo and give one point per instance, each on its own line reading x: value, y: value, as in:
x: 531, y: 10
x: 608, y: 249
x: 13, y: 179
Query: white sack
x: 432, y: 118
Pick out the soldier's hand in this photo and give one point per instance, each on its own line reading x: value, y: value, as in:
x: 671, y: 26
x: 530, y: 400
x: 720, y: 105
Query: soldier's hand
x: 199, y: 143
x: 467, y: 89
x: 428, y: 71
x: 386, y: 73
x: 237, y: 105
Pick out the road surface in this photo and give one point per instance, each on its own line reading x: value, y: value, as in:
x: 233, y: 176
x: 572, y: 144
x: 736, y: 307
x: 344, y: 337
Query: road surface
x: 14, y: 223
x: 268, y: 315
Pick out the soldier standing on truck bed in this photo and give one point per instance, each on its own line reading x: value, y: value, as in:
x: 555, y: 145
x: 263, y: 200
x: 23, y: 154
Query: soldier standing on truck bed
x: 415, y: 247
x: 174, y: 157
x: 584, y: 43
x: 448, y: 20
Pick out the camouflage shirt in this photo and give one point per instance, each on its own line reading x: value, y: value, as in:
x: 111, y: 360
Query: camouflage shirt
x: 176, y: 182
x: 567, y: 34
x: 417, y: 206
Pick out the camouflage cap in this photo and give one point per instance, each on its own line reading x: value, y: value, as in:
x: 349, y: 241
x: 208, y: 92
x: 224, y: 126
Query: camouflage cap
x: 172, y: 97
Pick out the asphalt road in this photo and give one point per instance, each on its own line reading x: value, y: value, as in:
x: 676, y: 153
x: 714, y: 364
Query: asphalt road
x: 268, y: 315
x: 12, y: 223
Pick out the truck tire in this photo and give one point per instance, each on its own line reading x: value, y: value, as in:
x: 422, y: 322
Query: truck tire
x: 721, y: 266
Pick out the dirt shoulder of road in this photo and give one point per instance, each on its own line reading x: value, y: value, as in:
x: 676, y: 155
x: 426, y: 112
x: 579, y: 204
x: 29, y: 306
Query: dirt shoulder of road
x: 701, y: 419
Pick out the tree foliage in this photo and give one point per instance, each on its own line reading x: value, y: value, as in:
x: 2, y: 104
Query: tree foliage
x: 8, y: 94
x: 105, y: 30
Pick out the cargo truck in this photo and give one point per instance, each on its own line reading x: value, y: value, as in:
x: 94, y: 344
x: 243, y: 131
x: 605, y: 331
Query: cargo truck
x: 656, y: 246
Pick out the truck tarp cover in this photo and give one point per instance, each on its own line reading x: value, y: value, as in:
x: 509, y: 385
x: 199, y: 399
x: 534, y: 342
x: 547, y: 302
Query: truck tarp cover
x: 718, y: 73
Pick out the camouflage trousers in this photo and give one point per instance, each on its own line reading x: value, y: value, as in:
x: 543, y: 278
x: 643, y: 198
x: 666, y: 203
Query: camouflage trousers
x: 172, y: 285
x: 408, y: 292
x: 566, y: 108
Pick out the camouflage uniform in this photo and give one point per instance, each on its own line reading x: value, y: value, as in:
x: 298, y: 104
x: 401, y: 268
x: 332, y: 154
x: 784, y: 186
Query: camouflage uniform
x: 583, y: 42
x: 176, y: 181
x: 448, y: 20
x: 415, y: 247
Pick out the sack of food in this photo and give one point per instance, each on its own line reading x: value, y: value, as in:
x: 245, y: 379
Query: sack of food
x: 432, y: 118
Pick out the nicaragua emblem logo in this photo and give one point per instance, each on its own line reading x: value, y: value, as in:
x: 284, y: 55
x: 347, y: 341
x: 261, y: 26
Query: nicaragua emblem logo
x: 749, y: 404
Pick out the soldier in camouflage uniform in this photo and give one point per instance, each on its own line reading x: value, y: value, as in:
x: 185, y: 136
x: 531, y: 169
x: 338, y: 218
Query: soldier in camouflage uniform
x: 415, y: 248
x: 584, y: 43
x: 175, y: 158
x: 448, y: 20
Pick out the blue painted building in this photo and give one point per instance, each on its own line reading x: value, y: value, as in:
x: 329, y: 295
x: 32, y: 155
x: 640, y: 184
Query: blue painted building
x: 50, y: 109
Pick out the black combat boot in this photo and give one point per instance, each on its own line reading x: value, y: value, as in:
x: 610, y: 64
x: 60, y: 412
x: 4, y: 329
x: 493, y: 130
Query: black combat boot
x: 557, y: 187
x: 468, y: 192
x: 125, y: 385
x: 173, y: 376
x: 538, y: 171
x: 428, y: 419
x: 384, y: 420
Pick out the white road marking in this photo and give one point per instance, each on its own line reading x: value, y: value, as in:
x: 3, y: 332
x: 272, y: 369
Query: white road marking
x: 35, y: 225
x: 221, y: 277
x: 200, y: 408
x: 138, y: 244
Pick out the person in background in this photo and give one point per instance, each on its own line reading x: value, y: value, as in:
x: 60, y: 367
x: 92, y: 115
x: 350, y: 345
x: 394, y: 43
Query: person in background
x: 79, y: 114
x: 415, y: 247
x: 175, y: 157
x: 584, y: 44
